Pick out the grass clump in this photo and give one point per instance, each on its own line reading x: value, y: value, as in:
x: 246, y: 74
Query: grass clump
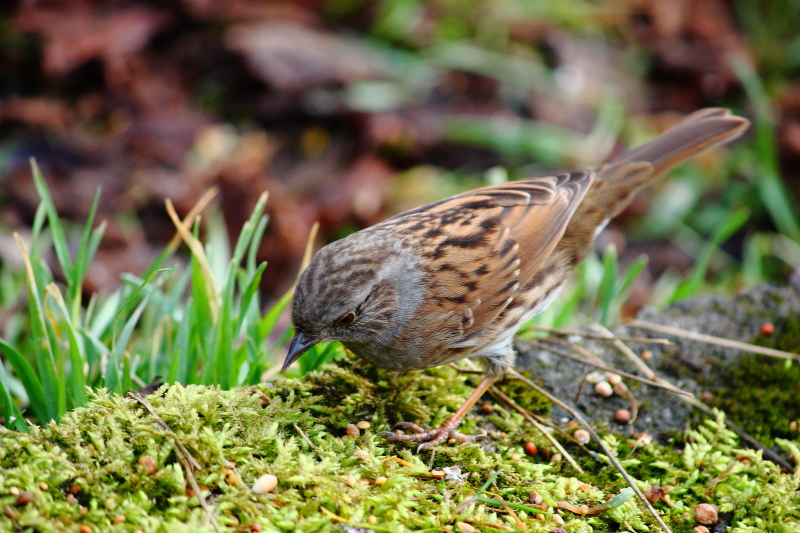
x: 196, y: 321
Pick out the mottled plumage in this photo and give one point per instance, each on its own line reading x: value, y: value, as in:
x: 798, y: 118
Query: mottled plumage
x: 458, y: 277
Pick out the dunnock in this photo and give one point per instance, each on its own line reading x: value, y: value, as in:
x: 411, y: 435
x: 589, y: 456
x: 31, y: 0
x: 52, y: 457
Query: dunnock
x: 458, y: 277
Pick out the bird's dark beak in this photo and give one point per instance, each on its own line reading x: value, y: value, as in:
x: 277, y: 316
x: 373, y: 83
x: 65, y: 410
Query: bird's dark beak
x: 300, y: 344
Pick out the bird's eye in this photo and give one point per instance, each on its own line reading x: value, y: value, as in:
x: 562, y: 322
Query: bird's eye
x: 347, y: 319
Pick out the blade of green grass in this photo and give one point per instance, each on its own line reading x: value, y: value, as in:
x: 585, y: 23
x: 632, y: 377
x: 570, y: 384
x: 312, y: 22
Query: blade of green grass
x: 75, y: 378
x: 90, y: 242
x: 691, y: 285
x: 56, y: 229
x: 12, y: 416
x: 774, y: 196
x: 116, y: 379
x: 608, y: 283
x: 43, y: 350
x: 29, y: 379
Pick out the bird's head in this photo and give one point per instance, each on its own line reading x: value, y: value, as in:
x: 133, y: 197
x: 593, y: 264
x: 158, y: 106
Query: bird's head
x: 349, y: 293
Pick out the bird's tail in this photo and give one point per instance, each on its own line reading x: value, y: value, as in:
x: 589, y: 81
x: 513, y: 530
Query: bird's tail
x: 618, y: 180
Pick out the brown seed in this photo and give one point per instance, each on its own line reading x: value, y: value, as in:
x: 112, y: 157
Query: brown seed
x: 701, y: 529
x: 118, y: 519
x: 437, y: 474
x: 622, y: 416
x: 25, y: 497
x: 558, y: 520
x: 531, y: 449
x: 535, y: 498
x: 265, y: 484
x: 353, y: 430
x: 572, y: 424
x: 364, y: 425
x: 515, y: 457
x: 647, y: 355
x: 793, y: 425
x: 231, y: 477
x: 487, y: 408
x: 351, y: 480
x: 592, y: 378
x: 74, y: 488
x: 149, y: 464
x: 380, y: 480
x: 556, y: 458
x: 653, y: 494
x: 71, y: 499
x: 604, y: 389
x: 585, y: 487
x: 582, y: 436
x: 706, y: 513
x: 767, y: 328
x: 463, y: 526
x: 43, y: 485
x: 613, y: 379
x: 372, y: 519
x: 316, y: 491
x: 255, y: 528
x: 85, y: 529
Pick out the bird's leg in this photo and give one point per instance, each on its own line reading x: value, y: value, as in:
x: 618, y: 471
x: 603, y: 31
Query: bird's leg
x: 433, y: 437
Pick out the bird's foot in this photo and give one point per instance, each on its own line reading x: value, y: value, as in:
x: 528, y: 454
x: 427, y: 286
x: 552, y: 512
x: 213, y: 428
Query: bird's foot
x: 428, y: 438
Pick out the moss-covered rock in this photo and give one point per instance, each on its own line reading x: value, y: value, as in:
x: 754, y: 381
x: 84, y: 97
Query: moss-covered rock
x: 758, y: 392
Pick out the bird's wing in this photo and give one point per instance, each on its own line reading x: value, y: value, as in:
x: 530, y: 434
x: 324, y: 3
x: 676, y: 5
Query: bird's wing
x: 480, y: 247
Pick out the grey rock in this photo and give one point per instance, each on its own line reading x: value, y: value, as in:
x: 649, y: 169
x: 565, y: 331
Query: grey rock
x: 693, y: 366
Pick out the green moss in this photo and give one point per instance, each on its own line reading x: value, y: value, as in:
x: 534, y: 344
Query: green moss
x: 94, y: 452
x: 765, y: 391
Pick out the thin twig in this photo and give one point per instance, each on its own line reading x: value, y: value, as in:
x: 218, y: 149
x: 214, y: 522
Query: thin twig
x: 630, y: 354
x: 771, y: 455
x: 596, y: 437
x: 189, y: 463
x: 305, y: 438
x: 653, y: 383
x: 567, y: 332
x: 530, y: 419
x: 744, y: 346
x: 511, y: 512
x: 524, y: 412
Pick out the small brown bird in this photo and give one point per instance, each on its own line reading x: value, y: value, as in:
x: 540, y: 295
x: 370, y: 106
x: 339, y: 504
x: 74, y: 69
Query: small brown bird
x: 458, y: 277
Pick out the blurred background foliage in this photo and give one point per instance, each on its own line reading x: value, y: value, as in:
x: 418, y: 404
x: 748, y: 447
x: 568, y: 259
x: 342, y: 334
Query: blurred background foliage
x: 348, y: 111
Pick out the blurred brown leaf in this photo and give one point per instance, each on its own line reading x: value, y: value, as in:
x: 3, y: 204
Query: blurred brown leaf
x: 76, y: 33
x: 291, y: 57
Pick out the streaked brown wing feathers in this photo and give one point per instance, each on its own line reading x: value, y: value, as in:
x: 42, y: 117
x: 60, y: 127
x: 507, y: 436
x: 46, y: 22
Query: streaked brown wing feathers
x: 488, y: 242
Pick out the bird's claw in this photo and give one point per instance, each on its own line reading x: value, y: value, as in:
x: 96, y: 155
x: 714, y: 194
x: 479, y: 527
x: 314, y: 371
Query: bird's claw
x: 428, y: 438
